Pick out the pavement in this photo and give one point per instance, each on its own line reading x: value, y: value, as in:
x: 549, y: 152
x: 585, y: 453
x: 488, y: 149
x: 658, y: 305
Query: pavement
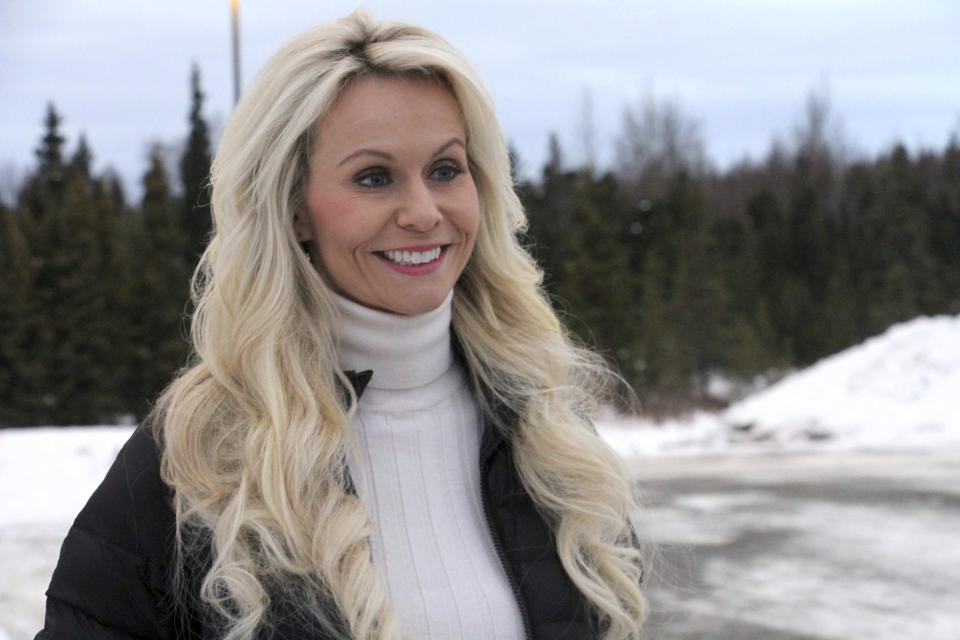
x: 826, y: 546
x: 772, y: 547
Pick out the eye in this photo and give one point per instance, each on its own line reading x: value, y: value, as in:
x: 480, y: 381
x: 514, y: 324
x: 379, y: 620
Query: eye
x: 373, y: 178
x: 446, y: 172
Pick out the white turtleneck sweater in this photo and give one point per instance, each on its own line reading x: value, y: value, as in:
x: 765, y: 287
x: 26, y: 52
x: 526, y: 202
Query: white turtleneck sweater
x: 415, y: 467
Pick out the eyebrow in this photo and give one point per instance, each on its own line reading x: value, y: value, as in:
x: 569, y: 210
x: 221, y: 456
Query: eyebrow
x: 386, y: 156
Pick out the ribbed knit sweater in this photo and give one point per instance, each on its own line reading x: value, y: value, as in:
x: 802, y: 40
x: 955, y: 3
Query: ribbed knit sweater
x: 415, y: 467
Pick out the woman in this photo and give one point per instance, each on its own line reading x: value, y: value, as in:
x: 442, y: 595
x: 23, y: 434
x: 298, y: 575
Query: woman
x: 367, y: 328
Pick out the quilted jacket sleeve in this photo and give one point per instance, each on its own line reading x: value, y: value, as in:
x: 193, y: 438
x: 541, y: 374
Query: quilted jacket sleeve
x: 111, y: 579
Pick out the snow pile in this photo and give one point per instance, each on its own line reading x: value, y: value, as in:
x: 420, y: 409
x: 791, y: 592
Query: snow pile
x: 899, y: 390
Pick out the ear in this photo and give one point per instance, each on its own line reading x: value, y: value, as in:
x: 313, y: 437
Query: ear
x: 301, y: 228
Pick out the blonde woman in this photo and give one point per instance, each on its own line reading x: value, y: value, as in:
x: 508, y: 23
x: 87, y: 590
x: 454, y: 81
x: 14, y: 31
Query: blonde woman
x: 383, y: 432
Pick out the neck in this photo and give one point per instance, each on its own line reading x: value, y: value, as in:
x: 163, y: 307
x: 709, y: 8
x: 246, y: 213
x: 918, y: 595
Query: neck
x: 404, y: 352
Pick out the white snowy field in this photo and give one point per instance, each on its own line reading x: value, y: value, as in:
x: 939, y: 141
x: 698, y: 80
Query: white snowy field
x: 894, y: 394
x: 46, y: 476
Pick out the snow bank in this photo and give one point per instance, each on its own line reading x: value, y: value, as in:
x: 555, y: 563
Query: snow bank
x: 899, y: 390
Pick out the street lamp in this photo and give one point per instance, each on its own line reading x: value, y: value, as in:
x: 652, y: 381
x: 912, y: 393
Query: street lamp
x: 234, y: 10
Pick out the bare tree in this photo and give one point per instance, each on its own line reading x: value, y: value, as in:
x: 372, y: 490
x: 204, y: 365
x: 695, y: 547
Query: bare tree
x: 818, y: 138
x: 588, y: 130
x: 657, y: 142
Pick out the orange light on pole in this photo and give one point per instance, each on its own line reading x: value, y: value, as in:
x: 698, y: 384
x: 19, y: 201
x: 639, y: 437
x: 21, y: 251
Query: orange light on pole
x: 235, y: 22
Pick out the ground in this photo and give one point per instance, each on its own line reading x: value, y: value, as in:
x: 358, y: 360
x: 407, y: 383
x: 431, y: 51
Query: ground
x: 826, y: 506
x: 842, y: 546
x: 773, y: 547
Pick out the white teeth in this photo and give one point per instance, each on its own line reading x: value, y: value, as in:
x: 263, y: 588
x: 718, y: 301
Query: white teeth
x: 408, y: 258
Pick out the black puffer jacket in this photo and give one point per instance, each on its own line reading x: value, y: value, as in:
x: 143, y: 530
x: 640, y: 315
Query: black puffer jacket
x: 113, y: 579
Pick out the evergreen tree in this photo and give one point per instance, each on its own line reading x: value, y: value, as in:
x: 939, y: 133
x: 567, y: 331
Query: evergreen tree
x: 596, y: 285
x: 746, y: 343
x: 115, y: 279
x: 50, y: 152
x: 697, y: 292
x: 45, y: 185
x: 81, y: 162
x: 62, y: 323
x: 195, y: 175
x: 550, y: 214
x: 662, y: 370
x: 17, y: 364
x: 897, y: 227
x: 944, y: 224
x: 84, y: 325
x: 161, y: 289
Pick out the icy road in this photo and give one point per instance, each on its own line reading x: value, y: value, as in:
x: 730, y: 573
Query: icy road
x: 838, y: 546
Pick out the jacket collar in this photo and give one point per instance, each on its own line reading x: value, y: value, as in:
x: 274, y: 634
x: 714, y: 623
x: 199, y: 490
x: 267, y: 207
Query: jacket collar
x: 359, y: 380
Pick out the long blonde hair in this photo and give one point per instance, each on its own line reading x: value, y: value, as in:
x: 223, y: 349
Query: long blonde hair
x: 255, y: 432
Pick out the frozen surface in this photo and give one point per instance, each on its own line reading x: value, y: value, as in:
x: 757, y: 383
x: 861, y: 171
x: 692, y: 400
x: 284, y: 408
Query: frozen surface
x: 835, y: 545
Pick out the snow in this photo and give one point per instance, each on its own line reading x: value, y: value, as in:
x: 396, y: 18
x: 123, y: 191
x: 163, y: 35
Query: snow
x: 895, y: 392
x: 47, y: 474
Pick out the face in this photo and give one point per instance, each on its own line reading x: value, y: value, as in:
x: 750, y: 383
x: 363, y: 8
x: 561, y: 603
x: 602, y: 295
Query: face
x: 391, y: 208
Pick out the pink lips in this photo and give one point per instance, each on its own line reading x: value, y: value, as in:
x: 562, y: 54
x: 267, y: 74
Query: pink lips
x: 417, y: 269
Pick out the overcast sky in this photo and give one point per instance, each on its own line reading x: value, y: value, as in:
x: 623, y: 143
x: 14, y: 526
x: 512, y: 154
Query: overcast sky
x: 118, y: 69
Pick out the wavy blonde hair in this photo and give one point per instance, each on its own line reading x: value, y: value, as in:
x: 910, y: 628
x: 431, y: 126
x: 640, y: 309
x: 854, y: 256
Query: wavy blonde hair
x: 254, y: 433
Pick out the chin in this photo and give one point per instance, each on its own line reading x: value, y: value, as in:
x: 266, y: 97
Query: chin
x: 415, y: 305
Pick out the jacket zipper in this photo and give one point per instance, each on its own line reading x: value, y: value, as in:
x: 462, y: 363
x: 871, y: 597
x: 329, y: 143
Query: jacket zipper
x: 501, y: 554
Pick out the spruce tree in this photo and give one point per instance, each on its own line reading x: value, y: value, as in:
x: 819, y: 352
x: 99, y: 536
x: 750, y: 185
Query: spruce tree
x: 595, y: 287
x: 81, y: 162
x: 17, y: 364
x: 662, y: 366
x: 195, y: 175
x: 944, y: 222
x: 84, y: 351
x: 549, y: 215
x: 45, y: 185
x: 50, y: 152
x: 161, y: 288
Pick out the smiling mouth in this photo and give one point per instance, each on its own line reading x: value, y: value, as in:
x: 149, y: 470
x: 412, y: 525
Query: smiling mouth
x: 412, y: 258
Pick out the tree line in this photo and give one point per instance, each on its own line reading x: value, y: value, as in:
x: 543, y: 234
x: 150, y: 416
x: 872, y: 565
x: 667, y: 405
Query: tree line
x: 680, y: 274
x: 95, y: 292
x: 685, y: 276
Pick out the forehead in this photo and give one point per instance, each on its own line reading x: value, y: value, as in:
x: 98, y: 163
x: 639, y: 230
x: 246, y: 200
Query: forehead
x: 390, y: 110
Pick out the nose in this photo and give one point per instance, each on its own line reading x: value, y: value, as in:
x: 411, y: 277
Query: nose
x: 418, y: 211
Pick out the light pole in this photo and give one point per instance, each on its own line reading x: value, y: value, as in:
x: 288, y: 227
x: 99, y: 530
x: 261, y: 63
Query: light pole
x: 235, y: 22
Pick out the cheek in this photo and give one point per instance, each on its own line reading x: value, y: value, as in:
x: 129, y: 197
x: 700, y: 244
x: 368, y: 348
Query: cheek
x: 470, y: 220
x: 334, y: 224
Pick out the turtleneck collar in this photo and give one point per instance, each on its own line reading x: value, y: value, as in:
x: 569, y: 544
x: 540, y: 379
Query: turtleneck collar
x: 404, y: 352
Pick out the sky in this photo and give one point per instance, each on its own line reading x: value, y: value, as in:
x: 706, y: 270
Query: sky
x: 118, y: 70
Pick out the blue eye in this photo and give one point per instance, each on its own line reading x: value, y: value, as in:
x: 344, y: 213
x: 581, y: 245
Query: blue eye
x: 376, y: 178
x: 446, y: 172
